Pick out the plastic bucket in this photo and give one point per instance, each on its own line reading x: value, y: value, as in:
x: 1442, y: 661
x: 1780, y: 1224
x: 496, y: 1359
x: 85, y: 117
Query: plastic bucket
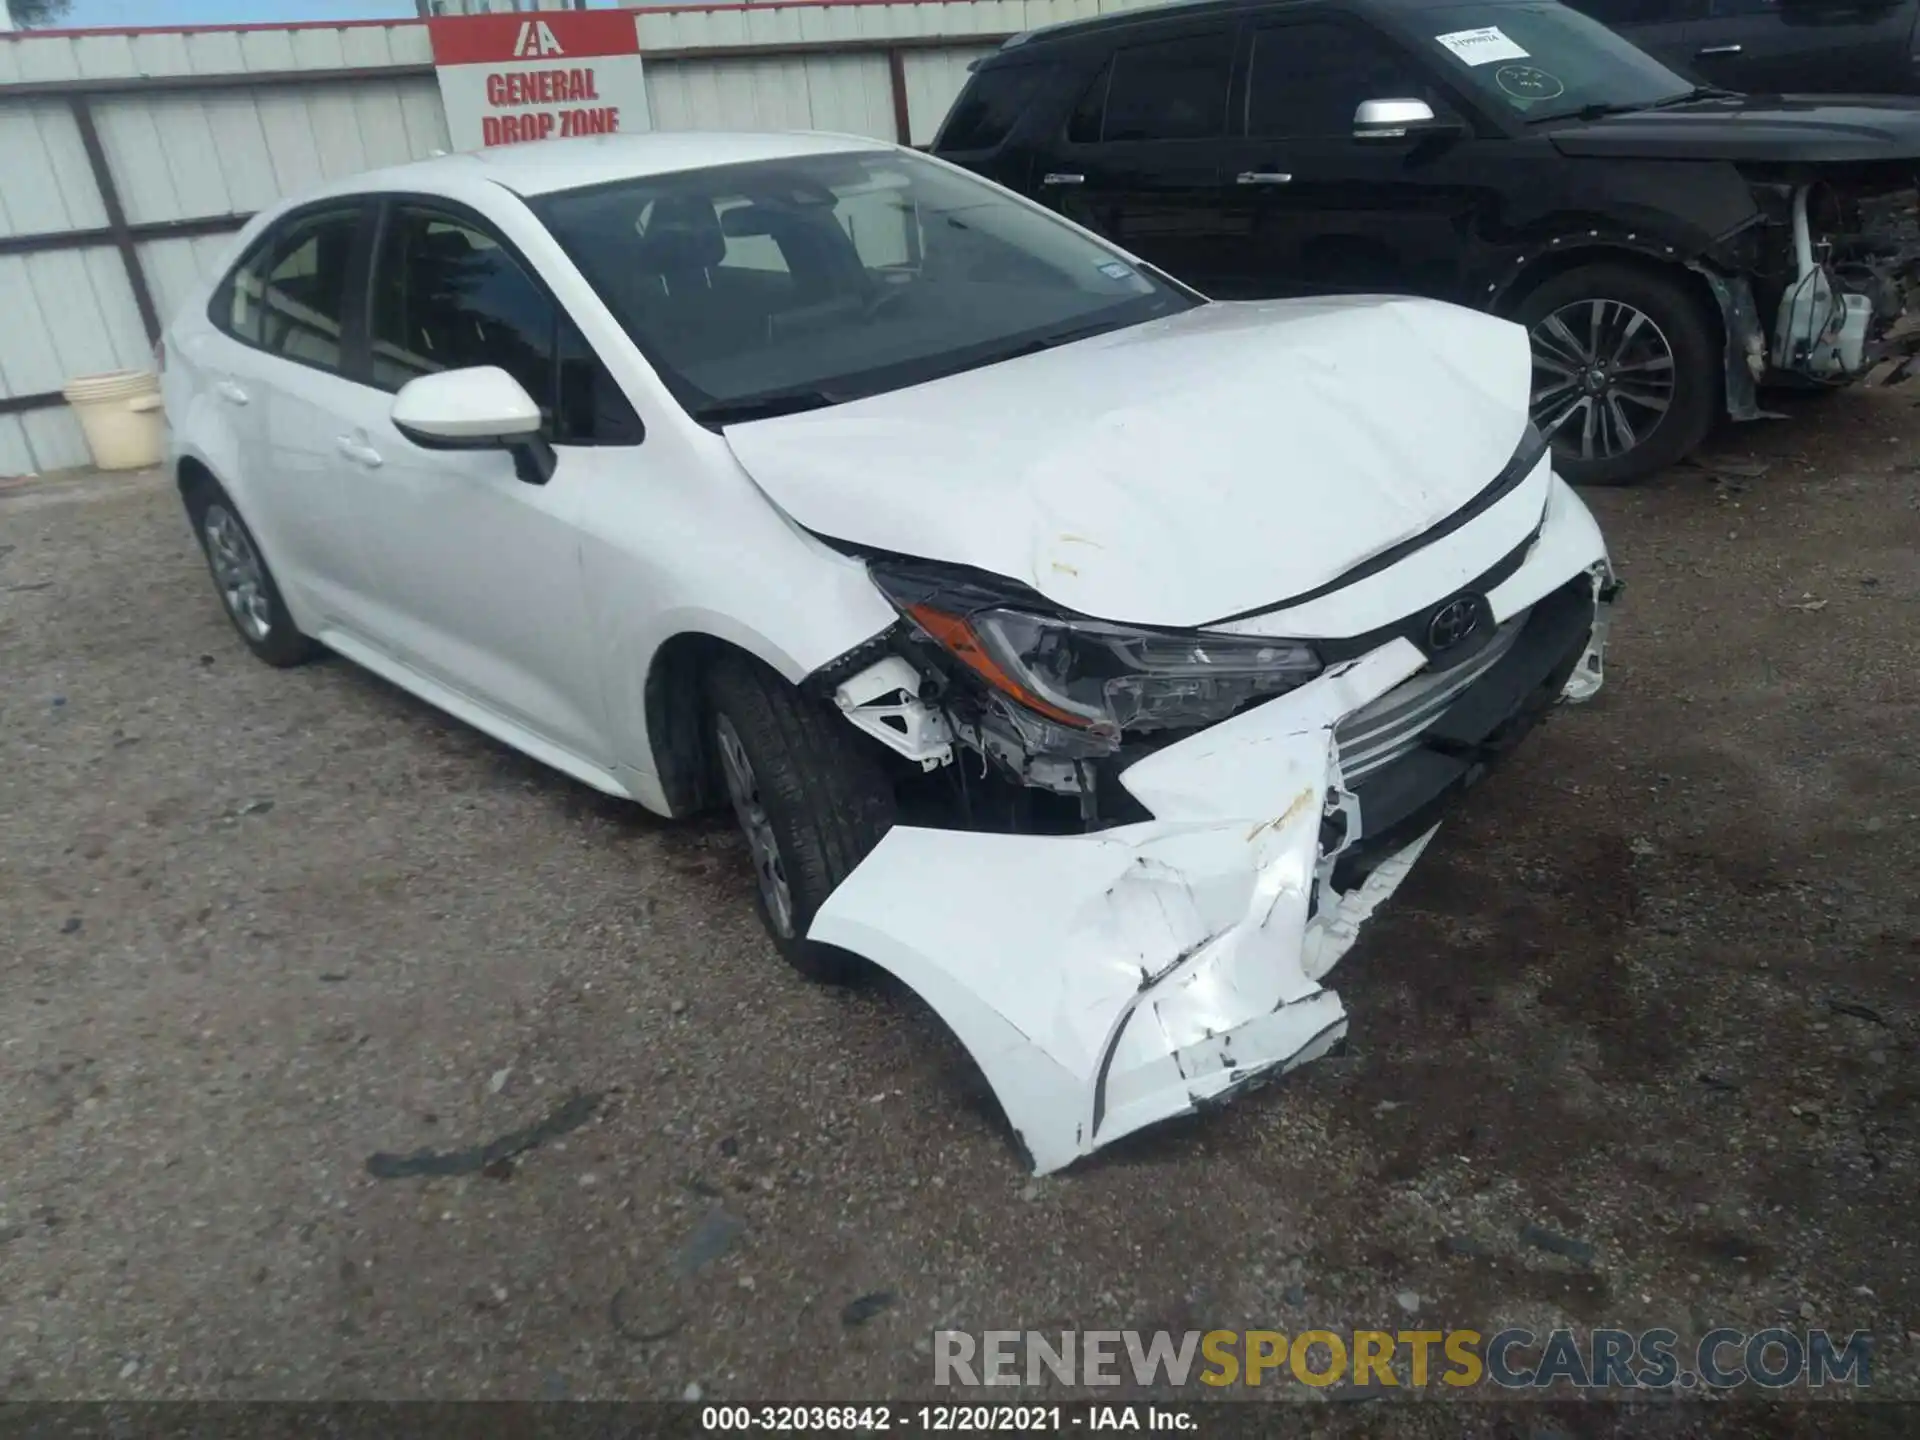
x: 121, y: 416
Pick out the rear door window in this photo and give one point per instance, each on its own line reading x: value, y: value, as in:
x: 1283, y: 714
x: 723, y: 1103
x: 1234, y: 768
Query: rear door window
x: 288, y: 297
x: 1174, y: 89
x: 990, y: 107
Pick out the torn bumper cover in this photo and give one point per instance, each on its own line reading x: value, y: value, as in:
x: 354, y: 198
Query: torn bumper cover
x: 1108, y: 980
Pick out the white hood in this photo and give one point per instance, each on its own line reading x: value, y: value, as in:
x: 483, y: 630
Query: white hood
x: 1177, y: 472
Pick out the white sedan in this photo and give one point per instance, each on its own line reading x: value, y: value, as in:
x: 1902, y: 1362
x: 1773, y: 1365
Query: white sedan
x: 1091, y: 656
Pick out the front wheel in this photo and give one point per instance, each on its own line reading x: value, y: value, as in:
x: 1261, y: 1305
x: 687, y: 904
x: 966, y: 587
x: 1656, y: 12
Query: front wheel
x: 811, y: 798
x: 1627, y: 371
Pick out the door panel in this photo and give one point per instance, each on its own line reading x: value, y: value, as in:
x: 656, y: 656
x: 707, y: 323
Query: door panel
x: 286, y: 308
x: 483, y: 585
x: 1160, y: 199
x: 1140, y: 159
x: 1350, y: 218
x: 1314, y: 211
x: 328, y: 535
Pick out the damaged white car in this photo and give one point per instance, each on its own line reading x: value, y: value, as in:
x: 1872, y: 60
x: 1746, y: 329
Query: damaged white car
x: 1092, y: 657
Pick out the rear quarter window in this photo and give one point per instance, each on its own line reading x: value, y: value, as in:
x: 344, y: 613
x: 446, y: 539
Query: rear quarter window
x: 990, y: 106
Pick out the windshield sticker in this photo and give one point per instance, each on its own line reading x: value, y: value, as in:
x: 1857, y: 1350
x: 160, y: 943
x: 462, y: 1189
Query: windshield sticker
x: 1114, y: 270
x: 1483, y: 46
x: 1529, y: 83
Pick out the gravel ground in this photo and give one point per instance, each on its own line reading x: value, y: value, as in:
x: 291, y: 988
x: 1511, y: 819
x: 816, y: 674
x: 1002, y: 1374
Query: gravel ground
x: 1652, y: 990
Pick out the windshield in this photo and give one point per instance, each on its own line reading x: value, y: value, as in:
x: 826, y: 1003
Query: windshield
x: 1544, y: 61
x: 785, y: 284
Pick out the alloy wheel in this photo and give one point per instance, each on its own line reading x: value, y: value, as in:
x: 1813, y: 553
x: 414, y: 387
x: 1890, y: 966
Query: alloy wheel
x: 744, y: 790
x: 1603, y: 376
x: 238, y: 572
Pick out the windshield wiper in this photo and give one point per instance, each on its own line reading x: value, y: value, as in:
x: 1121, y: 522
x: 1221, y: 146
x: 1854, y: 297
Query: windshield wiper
x: 1053, y: 341
x: 1601, y: 111
x: 767, y: 406
x: 1698, y: 92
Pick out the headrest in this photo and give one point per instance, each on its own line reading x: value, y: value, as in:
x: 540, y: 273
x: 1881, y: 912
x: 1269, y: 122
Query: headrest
x: 745, y: 221
x: 682, y: 234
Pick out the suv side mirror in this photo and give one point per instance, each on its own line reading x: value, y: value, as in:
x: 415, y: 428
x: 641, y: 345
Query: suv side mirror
x: 482, y: 408
x: 1397, y: 119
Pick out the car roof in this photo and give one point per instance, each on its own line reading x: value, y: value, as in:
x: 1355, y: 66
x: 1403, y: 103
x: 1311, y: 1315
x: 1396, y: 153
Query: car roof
x: 553, y: 165
x: 1150, y: 14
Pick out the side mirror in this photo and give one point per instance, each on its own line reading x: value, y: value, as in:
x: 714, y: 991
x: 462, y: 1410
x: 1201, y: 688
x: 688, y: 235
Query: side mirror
x: 483, y: 408
x: 1397, y: 119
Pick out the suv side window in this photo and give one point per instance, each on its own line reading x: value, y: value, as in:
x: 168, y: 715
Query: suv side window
x: 990, y: 106
x: 1307, y: 80
x: 1170, y: 90
x: 288, y: 296
x: 448, y: 296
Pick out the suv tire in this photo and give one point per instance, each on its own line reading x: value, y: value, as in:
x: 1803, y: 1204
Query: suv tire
x: 1636, y: 354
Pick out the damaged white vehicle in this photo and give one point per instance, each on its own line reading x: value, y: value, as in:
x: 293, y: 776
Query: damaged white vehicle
x: 1092, y: 657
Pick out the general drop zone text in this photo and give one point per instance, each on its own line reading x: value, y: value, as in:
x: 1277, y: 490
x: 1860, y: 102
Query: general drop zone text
x: 546, y: 87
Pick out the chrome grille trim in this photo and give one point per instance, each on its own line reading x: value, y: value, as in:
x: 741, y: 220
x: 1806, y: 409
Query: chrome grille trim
x: 1382, y: 732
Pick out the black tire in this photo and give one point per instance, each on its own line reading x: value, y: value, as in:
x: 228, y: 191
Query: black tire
x: 1690, y: 335
x: 268, y: 631
x: 824, y: 794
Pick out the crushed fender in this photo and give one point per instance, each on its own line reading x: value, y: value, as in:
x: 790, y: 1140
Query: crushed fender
x: 1110, y: 980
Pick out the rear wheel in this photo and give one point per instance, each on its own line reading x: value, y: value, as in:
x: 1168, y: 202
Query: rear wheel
x: 240, y: 574
x: 1627, y: 371
x: 810, y: 796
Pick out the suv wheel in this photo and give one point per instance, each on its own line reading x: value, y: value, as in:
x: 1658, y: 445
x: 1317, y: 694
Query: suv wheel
x: 810, y: 796
x: 247, y: 588
x: 1626, y: 371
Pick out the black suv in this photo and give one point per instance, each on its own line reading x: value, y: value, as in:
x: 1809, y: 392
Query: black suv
x: 1669, y: 247
x: 1812, y: 47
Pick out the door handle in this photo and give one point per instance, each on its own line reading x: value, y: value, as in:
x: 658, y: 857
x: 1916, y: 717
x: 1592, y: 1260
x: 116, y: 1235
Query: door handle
x: 1712, y: 50
x: 230, y: 392
x: 360, y: 454
x: 1062, y: 177
x: 1262, y: 177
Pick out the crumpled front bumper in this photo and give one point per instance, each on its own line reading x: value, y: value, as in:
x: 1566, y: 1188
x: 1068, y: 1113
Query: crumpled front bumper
x: 1106, y: 981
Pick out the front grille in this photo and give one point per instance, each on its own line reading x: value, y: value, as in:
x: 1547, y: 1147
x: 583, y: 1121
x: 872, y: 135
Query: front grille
x: 1382, y: 732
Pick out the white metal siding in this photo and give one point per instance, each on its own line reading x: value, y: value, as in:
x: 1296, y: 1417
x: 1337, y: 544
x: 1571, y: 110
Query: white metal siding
x: 44, y: 181
x: 847, y: 93
x: 68, y: 312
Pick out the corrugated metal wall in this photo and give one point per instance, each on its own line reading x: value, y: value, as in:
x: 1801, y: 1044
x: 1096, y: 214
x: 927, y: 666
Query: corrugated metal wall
x: 186, y: 162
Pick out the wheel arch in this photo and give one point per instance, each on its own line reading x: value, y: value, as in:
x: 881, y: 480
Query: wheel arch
x: 1560, y: 257
x: 193, y: 473
x: 673, y: 704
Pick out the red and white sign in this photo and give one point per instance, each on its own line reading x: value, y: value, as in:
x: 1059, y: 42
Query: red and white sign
x: 507, y: 79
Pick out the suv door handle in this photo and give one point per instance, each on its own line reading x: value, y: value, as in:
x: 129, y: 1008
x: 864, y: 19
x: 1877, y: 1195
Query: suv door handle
x: 231, y: 392
x: 1712, y: 50
x: 1262, y: 177
x: 1062, y: 177
x: 358, y: 453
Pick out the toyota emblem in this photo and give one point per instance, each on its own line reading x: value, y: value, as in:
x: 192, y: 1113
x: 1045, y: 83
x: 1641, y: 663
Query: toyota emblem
x: 1453, y: 622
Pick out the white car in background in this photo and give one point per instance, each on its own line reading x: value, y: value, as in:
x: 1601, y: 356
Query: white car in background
x: 1091, y: 656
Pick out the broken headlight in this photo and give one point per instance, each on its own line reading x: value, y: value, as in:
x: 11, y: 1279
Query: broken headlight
x: 1093, y: 675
